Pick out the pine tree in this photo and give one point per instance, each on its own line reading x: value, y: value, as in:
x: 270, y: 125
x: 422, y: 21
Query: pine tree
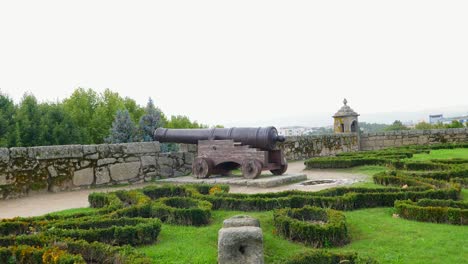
x: 150, y: 121
x: 123, y: 129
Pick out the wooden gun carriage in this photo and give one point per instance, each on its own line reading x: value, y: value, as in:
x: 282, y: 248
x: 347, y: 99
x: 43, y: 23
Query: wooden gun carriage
x: 221, y: 150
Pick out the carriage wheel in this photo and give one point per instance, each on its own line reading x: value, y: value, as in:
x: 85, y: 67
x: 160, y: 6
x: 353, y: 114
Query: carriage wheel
x: 202, y: 168
x: 282, y: 169
x: 251, y: 169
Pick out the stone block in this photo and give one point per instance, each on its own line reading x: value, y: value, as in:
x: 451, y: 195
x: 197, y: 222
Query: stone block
x: 52, y: 171
x: 189, y: 157
x: 56, y: 152
x: 124, y: 171
x: 102, y: 175
x: 240, y: 241
x: 4, y: 155
x: 141, y: 147
x: 148, y: 161
x: 89, y: 150
x: 106, y: 161
x: 5, y: 180
x: 83, y: 177
x: 85, y: 163
x: 18, y: 153
x: 92, y: 156
x: 103, y: 151
x: 165, y: 160
x: 132, y: 159
x: 166, y: 172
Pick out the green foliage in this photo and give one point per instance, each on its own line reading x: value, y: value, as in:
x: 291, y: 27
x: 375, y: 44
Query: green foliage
x: 181, y: 121
x: 86, y: 117
x: 396, y: 125
x: 152, y: 119
x: 438, y: 211
x: 453, y: 124
x: 33, y: 255
x: 325, y: 257
x: 313, y: 226
x: 7, y: 122
x: 123, y: 129
x: 372, y: 127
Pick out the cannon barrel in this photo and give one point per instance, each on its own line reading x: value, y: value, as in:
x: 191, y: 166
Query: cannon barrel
x: 257, y: 137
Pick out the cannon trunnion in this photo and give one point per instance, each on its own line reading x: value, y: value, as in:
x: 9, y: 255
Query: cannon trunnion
x: 221, y: 150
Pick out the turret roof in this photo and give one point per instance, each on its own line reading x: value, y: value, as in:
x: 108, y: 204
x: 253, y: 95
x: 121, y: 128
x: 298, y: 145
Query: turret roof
x: 345, y: 110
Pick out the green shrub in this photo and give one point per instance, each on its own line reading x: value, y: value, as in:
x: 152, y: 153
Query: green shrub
x: 132, y: 231
x: 34, y: 255
x: 182, y: 211
x: 312, y: 225
x: 438, y: 211
x: 325, y: 257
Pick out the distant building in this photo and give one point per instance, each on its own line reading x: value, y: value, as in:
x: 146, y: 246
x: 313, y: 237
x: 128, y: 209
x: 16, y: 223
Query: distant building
x: 345, y: 120
x: 434, y: 119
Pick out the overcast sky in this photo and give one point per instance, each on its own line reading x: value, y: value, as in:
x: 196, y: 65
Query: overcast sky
x: 241, y: 62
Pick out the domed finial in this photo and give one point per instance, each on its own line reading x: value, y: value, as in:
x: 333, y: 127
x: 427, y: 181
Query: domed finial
x: 345, y: 101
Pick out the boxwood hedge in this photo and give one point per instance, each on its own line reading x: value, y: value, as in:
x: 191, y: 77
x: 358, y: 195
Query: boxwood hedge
x: 313, y: 226
x: 325, y: 257
x: 438, y: 211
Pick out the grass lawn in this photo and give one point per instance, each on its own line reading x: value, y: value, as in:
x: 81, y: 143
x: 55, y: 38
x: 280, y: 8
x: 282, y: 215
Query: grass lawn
x: 374, y: 232
x: 443, y: 154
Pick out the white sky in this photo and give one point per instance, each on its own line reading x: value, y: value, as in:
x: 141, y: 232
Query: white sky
x: 241, y: 62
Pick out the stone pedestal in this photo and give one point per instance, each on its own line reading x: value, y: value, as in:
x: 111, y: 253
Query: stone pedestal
x: 240, y: 241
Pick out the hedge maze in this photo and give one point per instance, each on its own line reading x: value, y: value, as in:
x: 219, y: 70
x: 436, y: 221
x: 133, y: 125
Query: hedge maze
x: 422, y: 191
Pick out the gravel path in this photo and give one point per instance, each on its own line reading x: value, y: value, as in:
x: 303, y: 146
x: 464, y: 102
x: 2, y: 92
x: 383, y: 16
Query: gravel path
x: 39, y: 204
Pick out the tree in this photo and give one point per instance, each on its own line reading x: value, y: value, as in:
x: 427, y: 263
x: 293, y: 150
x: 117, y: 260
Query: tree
x: 372, y: 127
x: 150, y: 121
x: 123, y: 129
x: 28, y: 118
x: 57, y: 127
x: 81, y: 107
x: 181, y: 121
x: 109, y: 103
x: 455, y: 124
x: 423, y: 125
x: 7, y: 122
x: 397, y: 125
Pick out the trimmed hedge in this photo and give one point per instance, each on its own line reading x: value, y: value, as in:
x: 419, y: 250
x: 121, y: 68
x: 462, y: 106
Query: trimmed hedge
x: 34, y: 255
x: 91, y: 252
x: 313, y: 226
x: 342, y: 199
x: 123, y: 231
x: 325, y: 257
x: 173, y: 210
x: 437, y: 211
x: 395, y: 157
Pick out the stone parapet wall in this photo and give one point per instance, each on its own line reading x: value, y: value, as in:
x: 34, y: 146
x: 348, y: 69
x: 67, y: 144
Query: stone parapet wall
x: 376, y: 141
x: 58, y: 168
x: 304, y: 147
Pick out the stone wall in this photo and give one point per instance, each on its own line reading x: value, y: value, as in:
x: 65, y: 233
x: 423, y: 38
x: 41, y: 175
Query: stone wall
x: 375, y: 141
x: 58, y: 168
x: 304, y: 147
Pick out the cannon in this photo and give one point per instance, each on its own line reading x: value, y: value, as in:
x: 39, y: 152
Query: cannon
x: 221, y: 150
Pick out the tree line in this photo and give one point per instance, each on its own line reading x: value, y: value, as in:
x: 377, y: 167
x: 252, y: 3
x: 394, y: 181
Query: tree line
x: 86, y: 117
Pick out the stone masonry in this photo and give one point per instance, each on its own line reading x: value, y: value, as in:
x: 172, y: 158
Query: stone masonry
x: 58, y: 168
x: 375, y: 141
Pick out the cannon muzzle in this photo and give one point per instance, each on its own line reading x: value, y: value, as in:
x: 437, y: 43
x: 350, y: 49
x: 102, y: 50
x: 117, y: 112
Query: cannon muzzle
x: 261, y: 137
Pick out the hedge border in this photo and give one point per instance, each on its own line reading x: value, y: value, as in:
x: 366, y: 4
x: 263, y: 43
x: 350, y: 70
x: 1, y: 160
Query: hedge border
x: 292, y: 224
x: 436, y: 211
x: 322, y: 256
